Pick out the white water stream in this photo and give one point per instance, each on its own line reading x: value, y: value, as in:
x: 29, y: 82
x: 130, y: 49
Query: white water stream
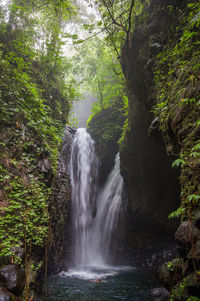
x: 95, y: 212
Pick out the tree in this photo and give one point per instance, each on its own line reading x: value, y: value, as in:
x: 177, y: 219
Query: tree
x: 118, y: 20
x: 99, y: 71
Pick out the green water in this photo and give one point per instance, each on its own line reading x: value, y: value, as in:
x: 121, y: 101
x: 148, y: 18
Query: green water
x: 118, y: 283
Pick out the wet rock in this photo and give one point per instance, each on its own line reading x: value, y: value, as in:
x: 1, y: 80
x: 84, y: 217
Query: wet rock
x: 159, y: 294
x: 13, y: 277
x: 178, y: 117
x: 171, y: 272
x: 194, y: 252
x: 191, y: 287
x: 60, y: 219
x: 197, y: 219
x: 186, y: 233
x: 6, y: 295
x: 67, y: 145
x: 36, y: 299
x: 192, y: 283
x: 105, y: 129
x: 165, y: 275
x: 45, y: 167
x: 155, y: 48
x: 154, y: 126
x: 154, y: 133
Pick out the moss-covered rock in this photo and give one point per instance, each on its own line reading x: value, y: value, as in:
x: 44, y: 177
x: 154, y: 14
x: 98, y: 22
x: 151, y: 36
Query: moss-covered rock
x: 177, y: 87
x: 161, y: 65
x: 5, y: 295
x: 13, y: 277
x: 105, y: 129
x: 189, y: 287
x: 170, y: 273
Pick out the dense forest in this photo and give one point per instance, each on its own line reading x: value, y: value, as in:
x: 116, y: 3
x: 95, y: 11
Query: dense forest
x: 139, y: 61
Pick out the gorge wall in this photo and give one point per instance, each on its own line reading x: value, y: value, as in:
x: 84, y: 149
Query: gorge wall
x: 26, y: 170
x: 167, y: 84
x: 145, y: 163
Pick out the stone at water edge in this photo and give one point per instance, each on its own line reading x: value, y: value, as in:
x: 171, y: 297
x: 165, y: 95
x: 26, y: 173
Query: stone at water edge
x: 13, y: 277
x: 6, y: 295
x: 159, y: 294
x: 36, y: 299
x: 194, y: 252
x: 171, y: 272
x: 197, y: 218
x: 165, y: 275
x: 187, y: 232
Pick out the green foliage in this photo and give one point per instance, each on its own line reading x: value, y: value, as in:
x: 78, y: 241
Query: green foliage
x: 119, y: 20
x: 99, y: 73
x: 170, y: 266
x: 126, y: 127
x: 179, y: 212
x: 178, y: 105
x: 106, y: 127
x: 23, y: 215
x: 35, y: 99
x: 178, y: 162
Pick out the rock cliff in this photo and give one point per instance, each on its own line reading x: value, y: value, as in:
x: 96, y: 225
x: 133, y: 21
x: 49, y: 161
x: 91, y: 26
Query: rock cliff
x: 162, y: 72
x: 105, y: 129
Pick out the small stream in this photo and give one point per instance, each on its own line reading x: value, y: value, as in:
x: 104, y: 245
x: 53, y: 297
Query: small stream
x: 118, y: 283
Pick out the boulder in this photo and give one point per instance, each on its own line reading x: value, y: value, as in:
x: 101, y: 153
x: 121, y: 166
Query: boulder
x: 159, y: 294
x: 6, y: 295
x: 194, y: 253
x: 165, y: 275
x: 186, y: 233
x: 171, y: 272
x: 197, y: 219
x: 13, y: 277
x: 105, y: 129
x: 189, y: 286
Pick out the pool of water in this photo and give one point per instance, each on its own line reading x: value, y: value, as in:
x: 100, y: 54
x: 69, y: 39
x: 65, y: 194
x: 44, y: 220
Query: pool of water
x: 117, y: 283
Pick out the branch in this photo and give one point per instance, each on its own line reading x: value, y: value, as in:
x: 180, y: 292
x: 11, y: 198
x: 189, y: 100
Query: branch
x: 114, y: 21
x: 94, y: 35
x: 115, y: 48
x: 117, y: 73
x: 130, y: 15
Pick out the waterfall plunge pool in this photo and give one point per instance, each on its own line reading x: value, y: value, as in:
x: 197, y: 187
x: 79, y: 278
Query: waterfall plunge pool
x: 118, y: 283
x: 97, y: 216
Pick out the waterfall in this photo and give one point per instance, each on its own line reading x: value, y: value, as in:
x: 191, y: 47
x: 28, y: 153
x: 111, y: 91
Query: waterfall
x: 95, y: 212
x: 84, y: 171
x: 109, y: 208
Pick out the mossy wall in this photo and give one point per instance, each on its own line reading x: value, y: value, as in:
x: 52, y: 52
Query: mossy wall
x: 161, y: 66
x: 105, y: 129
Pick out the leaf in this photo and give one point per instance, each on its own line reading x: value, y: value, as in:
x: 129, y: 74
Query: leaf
x: 178, y: 162
x: 194, y: 197
x: 180, y: 211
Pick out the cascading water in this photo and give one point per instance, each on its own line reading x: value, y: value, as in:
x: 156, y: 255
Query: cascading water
x: 95, y: 214
x: 84, y: 171
x: 109, y: 209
